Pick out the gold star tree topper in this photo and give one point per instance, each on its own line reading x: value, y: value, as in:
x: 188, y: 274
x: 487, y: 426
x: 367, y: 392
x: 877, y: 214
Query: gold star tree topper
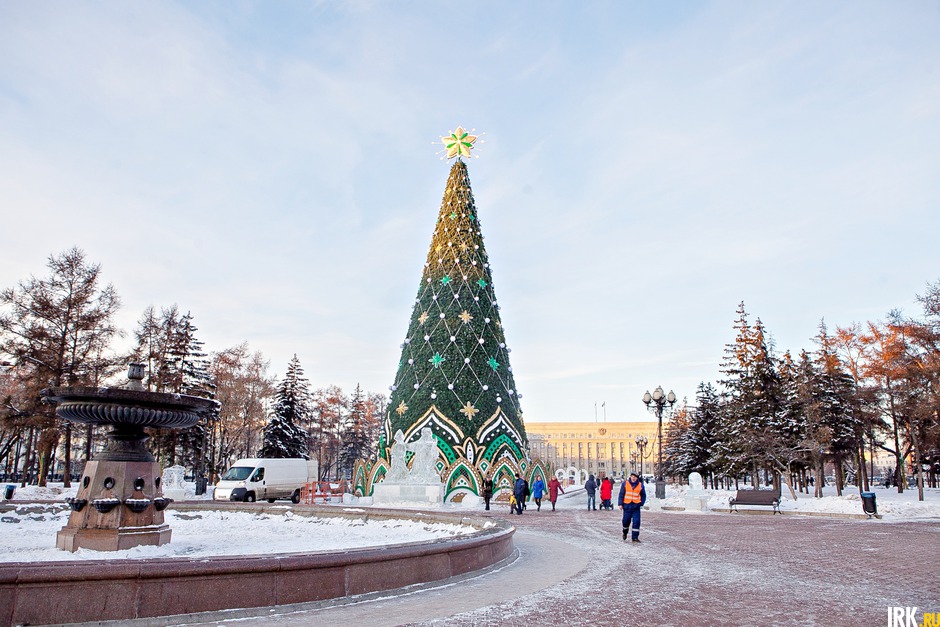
x: 459, y: 143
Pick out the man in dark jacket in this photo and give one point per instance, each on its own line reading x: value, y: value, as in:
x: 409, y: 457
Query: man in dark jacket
x: 519, y: 489
x: 487, y: 490
x: 632, y: 498
x: 590, y: 486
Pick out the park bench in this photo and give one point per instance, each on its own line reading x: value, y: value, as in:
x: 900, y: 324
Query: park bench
x: 769, y: 498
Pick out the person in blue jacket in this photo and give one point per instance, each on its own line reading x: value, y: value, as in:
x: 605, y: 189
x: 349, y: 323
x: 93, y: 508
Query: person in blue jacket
x: 631, y: 501
x: 538, y: 489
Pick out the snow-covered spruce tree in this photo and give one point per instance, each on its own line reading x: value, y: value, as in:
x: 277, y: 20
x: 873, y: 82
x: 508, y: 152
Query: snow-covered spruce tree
x: 282, y: 436
x: 837, y: 399
x: 728, y: 455
x: 188, y: 364
x: 176, y: 363
x: 454, y: 375
x: 785, y: 450
x: 676, y: 459
x: 700, y: 438
x: 751, y: 399
x: 192, y: 370
x: 804, y: 405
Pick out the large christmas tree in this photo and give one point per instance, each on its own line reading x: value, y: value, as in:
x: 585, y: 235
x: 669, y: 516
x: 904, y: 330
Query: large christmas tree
x: 454, y: 375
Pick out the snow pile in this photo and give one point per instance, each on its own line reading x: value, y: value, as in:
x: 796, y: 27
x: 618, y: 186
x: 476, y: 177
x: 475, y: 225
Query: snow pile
x: 890, y: 504
x: 28, y: 534
x: 32, y: 493
x: 55, y: 492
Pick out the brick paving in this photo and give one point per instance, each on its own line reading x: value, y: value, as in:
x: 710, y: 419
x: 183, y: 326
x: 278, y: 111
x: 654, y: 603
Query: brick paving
x: 690, y: 569
x: 728, y: 569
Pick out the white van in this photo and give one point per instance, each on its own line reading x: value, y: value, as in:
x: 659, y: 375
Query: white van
x: 254, y: 479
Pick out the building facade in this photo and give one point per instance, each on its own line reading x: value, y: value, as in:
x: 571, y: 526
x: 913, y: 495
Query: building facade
x: 600, y: 448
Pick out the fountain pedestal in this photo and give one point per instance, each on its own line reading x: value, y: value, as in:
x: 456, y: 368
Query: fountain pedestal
x: 120, y: 527
x: 120, y: 501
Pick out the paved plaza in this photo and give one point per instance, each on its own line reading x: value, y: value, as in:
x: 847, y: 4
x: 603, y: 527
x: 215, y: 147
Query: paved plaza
x: 690, y: 569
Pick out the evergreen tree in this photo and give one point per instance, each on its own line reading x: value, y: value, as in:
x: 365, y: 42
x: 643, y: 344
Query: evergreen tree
x: 750, y: 428
x: 703, y: 424
x: 676, y: 459
x: 168, y: 345
x: 804, y: 403
x: 283, y: 436
x: 188, y: 366
x: 837, y: 405
x: 154, y: 335
x: 454, y: 375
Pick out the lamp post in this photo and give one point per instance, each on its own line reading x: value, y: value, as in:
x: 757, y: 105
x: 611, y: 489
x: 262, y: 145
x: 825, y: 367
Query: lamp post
x: 655, y: 402
x: 641, y: 442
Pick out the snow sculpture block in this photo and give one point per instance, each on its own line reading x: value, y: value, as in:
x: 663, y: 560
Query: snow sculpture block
x: 408, y: 494
x: 173, y: 483
x: 695, y: 499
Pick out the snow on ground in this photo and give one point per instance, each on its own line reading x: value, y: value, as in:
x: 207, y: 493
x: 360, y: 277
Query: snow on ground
x: 892, y: 506
x: 28, y: 534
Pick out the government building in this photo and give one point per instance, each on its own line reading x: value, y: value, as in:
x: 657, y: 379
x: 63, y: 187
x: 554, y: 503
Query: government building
x: 600, y: 448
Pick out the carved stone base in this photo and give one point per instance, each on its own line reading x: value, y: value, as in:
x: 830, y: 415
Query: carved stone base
x: 72, y: 539
x: 115, y: 508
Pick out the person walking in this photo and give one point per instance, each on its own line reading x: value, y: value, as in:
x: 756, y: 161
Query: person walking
x: 538, y: 488
x: 487, y: 490
x: 631, y: 500
x: 519, y: 489
x: 607, y: 490
x: 590, y: 486
x: 554, y: 487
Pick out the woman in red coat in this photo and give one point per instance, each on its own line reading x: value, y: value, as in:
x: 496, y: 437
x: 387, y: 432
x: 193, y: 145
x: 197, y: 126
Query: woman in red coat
x: 607, y: 489
x: 554, y: 486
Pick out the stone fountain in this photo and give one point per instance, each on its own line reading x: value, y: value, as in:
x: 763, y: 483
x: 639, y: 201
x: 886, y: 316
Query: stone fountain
x: 120, y: 501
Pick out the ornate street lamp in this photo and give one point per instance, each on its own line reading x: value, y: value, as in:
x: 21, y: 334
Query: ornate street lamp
x: 655, y: 403
x: 641, y: 442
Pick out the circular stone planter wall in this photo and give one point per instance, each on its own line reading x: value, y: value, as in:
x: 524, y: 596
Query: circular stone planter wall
x: 76, y: 591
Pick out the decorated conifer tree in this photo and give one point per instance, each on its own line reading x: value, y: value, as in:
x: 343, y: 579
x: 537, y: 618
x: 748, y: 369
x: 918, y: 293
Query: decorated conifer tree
x: 455, y: 375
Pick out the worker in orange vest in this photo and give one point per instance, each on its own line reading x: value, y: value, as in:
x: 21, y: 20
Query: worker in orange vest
x: 632, y: 498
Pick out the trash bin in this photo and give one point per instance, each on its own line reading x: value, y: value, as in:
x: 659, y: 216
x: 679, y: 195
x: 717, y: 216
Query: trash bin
x: 201, y: 484
x: 868, y: 503
x: 8, y: 492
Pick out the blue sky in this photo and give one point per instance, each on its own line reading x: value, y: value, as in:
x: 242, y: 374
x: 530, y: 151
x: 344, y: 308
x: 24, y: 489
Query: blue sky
x: 646, y: 167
